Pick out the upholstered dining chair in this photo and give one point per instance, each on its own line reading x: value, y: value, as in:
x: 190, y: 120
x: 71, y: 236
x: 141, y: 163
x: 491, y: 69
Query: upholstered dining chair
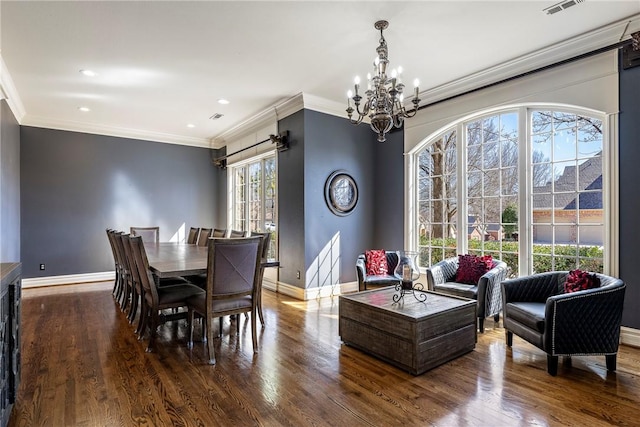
x: 217, y: 232
x: 233, y: 270
x: 234, y: 234
x: 117, y: 283
x: 148, y: 234
x: 125, y: 273
x: 192, y: 238
x: 203, y: 236
x: 158, y: 298
x: 266, y: 240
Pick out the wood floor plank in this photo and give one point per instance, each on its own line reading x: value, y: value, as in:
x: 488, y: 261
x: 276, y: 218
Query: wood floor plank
x: 83, y: 366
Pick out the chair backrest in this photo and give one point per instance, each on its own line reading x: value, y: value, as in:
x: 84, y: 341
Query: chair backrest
x: 112, y: 245
x: 192, y: 238
x: 203, y: 236
x: 148, y: 234
x: 132, y: 267
x: 266, y: 240
x: 144, y: 273
x: 233, y: 267
x: 234, y: 234
x: 219, y: 233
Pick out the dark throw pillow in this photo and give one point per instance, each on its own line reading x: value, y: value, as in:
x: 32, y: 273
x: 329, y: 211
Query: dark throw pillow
x: 376, y: 261
x: 578, y: 280
x: 472, y: 267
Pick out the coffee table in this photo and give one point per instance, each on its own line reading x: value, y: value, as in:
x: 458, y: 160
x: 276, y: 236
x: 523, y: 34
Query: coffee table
x: 412, y: 335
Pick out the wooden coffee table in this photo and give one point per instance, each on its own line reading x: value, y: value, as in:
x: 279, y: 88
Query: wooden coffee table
x: 412, y: 335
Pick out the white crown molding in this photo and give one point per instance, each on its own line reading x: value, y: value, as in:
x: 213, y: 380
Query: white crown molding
x: 106, y: 130
x: 242, y: 129
x: 585, y: 43
x: 9, y: 92
x: 69, y: 279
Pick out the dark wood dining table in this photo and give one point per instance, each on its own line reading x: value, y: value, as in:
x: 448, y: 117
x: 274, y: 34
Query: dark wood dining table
x: 170, y: 259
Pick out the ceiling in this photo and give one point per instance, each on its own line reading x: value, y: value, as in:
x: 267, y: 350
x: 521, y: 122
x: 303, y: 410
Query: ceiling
x: 163, y: 65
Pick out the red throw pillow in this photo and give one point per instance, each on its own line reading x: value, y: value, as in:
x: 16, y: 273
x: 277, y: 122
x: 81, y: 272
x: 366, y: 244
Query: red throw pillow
x: 578, y: 280
x: 376, y: 260
x: 472, y: 267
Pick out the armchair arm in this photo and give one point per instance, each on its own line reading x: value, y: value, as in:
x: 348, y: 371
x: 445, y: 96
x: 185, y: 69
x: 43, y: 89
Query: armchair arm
x: 490, y: 290
x: 441, y: 272
x: 361, y: 271
x: 585, y: 322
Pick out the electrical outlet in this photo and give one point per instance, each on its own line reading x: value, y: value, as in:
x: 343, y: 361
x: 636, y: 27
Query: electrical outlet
x: 298, y: 274
x: 41, y: 266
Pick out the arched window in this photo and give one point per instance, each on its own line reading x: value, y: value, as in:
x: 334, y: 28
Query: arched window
x: 525, y: 185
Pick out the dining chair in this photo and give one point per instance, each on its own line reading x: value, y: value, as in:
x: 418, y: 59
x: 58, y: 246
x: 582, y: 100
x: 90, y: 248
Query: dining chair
x: 117, y: 283
x: 203, y: 236
x: 157, y: 299
x: 234, y: 234
x: 219, y: 232
x: 133, y: 285
x: 192, y: 238
x: 148, y: 234
x: 233, y: 269
x: 266, y: 240
x: 125, y: 298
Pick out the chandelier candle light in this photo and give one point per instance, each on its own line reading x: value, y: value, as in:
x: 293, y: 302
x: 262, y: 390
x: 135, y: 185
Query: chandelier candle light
x: 385, y: 98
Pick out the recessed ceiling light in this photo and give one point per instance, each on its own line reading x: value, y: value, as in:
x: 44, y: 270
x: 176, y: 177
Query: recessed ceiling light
x: 223, y: 101
x: 84, y: 109
x: 191, y: 125
x: 88, y: 73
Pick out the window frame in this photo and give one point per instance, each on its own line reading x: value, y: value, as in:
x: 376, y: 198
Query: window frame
x: 524, y: 111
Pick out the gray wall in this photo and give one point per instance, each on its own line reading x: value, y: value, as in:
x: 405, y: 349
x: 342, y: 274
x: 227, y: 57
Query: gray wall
x: 75, y: 185
x: 9, y: 185
x: 320, y: 145
x: 629, y: 193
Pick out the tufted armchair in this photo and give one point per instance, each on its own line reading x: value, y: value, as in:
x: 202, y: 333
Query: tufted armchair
x: 580, y: 323
x: 441, y: 278
x: 383, y: 280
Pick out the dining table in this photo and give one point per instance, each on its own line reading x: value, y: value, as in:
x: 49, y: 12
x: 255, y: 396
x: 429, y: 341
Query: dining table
x: 171, y: 259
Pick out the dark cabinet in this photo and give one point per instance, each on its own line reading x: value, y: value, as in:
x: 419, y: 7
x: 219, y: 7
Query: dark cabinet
x: 10, y: 294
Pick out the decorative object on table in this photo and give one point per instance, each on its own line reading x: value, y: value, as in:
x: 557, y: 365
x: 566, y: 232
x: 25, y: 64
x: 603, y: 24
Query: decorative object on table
x: 445, y: 277
x: 407, y: 272
x: 341, y: 193
x: 385, y: 97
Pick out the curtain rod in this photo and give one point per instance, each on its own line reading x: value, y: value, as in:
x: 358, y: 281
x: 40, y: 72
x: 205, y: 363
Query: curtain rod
x: 281, y: 141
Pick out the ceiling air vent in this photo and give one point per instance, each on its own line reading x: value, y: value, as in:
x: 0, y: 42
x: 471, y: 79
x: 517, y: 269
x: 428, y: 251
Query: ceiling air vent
x: 216, y: 116
x: 559, y: 7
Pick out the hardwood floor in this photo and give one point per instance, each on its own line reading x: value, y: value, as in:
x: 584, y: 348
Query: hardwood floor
x: 82, y: 366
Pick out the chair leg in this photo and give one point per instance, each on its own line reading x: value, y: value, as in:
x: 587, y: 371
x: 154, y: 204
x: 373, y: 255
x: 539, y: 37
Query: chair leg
x: 134, y: 305
x: 153, y: 331
x: 552, y: 365
x: 611, y: 362
x: 481, y: 324
x: 496, y: 318
x: 212, y: 352
x: 190, y: 328
x: 509, y: 338
x: 254, y: 327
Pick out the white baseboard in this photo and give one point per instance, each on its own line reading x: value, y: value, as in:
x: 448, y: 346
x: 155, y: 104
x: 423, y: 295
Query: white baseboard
x: 309, y: 293
x: 630, y: 336
x: 68, y: 279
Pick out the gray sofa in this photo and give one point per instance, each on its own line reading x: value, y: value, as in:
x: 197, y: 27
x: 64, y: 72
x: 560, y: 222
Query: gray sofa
x: 487, y: 292
x: 379, y: 280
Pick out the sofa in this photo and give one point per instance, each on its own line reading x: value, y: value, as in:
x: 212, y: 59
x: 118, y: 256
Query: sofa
x: 388, y: 279
x: 441, y: 277
x: 580, y: 323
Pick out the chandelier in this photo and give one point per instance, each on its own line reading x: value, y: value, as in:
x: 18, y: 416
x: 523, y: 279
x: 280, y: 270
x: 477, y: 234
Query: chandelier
x: 385, y: 99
